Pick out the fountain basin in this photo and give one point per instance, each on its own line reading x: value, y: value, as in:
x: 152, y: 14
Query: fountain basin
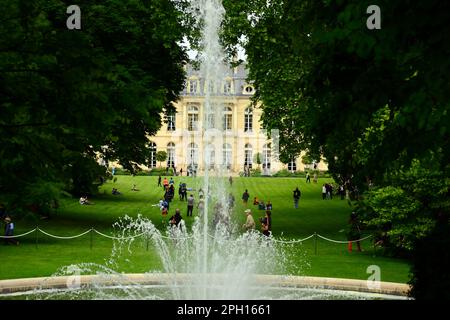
x: 285, y: 286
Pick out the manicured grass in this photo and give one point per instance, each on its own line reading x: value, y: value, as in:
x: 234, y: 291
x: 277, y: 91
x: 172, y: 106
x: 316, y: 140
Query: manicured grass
x: 327, y: 217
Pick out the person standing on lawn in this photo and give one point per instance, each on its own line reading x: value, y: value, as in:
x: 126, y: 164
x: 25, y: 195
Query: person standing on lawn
x: 297, y: 195
x: 190, y: 206
x: 9, y: 232
x: 245, y: 197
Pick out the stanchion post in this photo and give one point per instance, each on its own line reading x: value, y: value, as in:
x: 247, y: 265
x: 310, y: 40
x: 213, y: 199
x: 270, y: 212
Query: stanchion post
x: 315, y: 242
x: 37, y: 236
x: 91, y: 236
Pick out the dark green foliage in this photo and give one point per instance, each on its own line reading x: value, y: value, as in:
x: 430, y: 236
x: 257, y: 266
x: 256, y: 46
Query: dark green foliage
x: 431, y: 263
x: 373, y: 103
x: 67, y: 94
x: 161, y: 156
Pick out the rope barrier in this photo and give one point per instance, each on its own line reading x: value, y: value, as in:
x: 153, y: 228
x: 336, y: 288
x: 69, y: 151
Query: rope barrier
x: 64, y: 238
x: 118, y: 238
x: 337, y: 241
x: 18, y: 236
x: 294, y: 241
x: 166, y: 237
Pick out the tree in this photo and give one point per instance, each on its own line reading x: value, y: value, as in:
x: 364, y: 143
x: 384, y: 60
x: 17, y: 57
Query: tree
x: 371, y: 102
x: 68, y: 97
x: 161, y: 156
x: 258, y: 159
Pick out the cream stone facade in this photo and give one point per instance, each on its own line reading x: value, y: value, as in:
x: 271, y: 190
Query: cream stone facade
x: 236, y: 135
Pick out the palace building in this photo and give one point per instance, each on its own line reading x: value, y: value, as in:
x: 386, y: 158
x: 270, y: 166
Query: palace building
x: 236, y: 139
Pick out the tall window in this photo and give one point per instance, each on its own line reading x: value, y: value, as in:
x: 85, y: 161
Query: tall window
x: 171, y: 154
x: 248, y: 120
x: 226, y: 155
x: 193, y: 86
x: 267, y: 155
x: 210, y: 156
x: 192, y: 118
x: 227, y: 118
x: 292, y: 165
x: 152, y: 160
x: 171, y: 122
x: 248, y: 155
x: 192, y: 154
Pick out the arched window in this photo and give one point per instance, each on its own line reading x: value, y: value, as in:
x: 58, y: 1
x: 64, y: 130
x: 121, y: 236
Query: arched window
x: 226, y: 156
x: 192, y: 118
x: 192, y: 154
x: 248, y: 120
x: 152, y: 160
x: 292, y: 165
x: 210, y: 156
x: 171, y: 154
x: 248, y: 155
x: 227, y: 118
x: 171, y: 122
x: 267, y: 155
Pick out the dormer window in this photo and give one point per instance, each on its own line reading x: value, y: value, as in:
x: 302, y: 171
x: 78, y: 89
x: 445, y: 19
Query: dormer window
x: 228, y: 87
x: 248, y: 89
x: 193, y: 86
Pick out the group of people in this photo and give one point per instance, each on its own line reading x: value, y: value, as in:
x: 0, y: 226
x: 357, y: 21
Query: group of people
x: 266, y: 221
x: 262, y: 205
x: 328, y: 189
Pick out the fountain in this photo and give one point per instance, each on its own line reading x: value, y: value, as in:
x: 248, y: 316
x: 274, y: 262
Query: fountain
x: 214, y: 260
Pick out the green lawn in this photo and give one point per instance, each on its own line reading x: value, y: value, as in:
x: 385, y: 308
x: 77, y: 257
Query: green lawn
x: 44, y: 255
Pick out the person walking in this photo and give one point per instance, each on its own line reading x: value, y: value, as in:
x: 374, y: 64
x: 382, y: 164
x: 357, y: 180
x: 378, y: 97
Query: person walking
x: 324, y: 192
x: 308, y: 178
x: 165, y: 183
x: 230, y: 179
x: 159, y: 181
x: 245, y: 197
x: 9, y: 232
x: 250, y: 222
x: 297, y: 195
x: 190, y: 206
x: 181, y: 172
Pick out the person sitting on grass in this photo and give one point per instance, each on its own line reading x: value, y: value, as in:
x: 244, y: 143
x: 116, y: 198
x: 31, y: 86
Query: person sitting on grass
x: 269, y: 205
x: 255, y: 201
x: 115, y: 192
x: 134, y: 188
x: 262, y: 205
x: 176, y: 219
x: 84, y: 201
